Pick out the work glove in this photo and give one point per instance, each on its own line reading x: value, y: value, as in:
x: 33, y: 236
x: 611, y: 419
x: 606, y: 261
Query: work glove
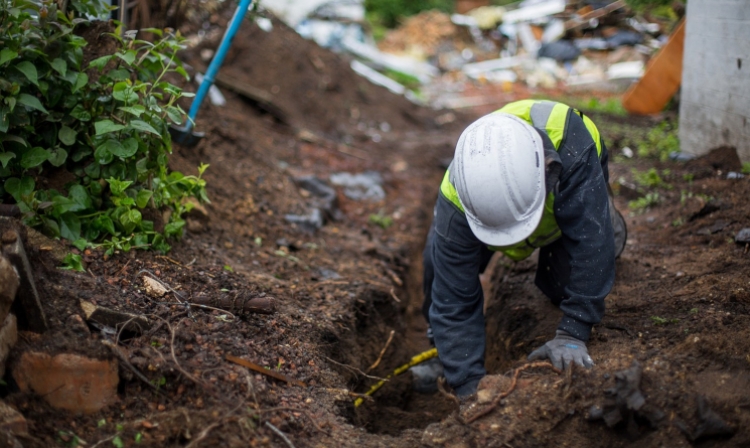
x: 425, y: 376
x: 563, y: 350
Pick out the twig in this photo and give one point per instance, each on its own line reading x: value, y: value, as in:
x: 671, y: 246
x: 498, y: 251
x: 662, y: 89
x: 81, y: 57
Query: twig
x: 251, y: 365
x: 174, y: 358
x: 497, y: 399
x: 203, y: 434
x: 106, y: 439
x: 130, y: 366
x: 382, y: 352
x: 288, y: 409
x: 117, y: 339
x: 280, y: 434
x: 171, y: 260
x: 123, y: 268
x: 445, y: 393
x: 395, y: 297
x: 355, y: 370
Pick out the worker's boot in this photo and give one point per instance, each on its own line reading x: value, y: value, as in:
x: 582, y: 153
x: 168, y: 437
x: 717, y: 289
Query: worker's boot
x: 425, y: 376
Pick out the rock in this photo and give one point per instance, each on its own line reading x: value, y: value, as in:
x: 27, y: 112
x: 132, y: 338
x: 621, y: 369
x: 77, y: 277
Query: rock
x: 12, y: 421
x: 743, y: 236
x: 113, y: 318
x: 8, y: 338
x: 9, y: 282
x: 153, y: 288
x: 68, y: 381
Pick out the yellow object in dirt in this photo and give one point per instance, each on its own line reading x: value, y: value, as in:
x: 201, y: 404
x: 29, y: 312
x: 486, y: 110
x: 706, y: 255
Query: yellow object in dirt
x: 418, y: 359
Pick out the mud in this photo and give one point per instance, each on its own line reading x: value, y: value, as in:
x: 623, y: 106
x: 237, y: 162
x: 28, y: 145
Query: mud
x: 679, y: 308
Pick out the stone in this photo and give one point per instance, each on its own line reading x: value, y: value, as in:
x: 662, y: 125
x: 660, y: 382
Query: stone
x: 9, y: 282
x: 113, y: 318
x: 12, y: 421
x: 8, y: 338
x: 743, y: 236
x: 153, y: 288
x: 68, y: 381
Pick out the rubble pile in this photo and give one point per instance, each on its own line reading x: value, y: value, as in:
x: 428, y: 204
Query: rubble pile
x: 599, y: 45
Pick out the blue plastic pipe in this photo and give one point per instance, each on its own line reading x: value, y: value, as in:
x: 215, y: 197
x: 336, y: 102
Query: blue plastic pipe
x: 213, y: 68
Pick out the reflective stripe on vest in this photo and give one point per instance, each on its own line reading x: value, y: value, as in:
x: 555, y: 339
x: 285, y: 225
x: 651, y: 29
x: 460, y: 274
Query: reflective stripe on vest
x: 550, y: 117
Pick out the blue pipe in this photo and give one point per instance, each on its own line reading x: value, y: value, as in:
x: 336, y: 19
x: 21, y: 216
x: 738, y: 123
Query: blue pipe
x: 213, y: 68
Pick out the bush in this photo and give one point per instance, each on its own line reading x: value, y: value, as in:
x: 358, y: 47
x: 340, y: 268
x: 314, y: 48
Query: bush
x: 104, y: 128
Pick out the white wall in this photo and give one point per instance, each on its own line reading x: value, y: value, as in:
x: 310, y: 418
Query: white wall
x: 715, y: 95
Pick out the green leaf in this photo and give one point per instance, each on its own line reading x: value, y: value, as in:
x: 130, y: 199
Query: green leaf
x: 80, y: 243
x: 128, y: 56
x: 78, y: 194
x: 118, y: 186
x: 57, y: 157
x: 100, y: 62
x: 81, y: 80
x: 13, y: 138
x: 105, y: 126
x: 34, y: 157
x: 60, y: 66
x: 125, y: 149
x: 29, y: 70
x: 123, y: 92
x: 136, y: 110
x: 142, y: 165
x: 32, y: 102
x: 73, y: 262
x: 67, y: 135
x: 103, y: 153
x: 70, y: 226
x: 5, y: 158
x: 174, y: 228
x: 80, y: 113
x: 143, y: 126
x: 130, y: 219
x: 175, y: 114
x: 143, y: 197
x: 104, y: 222
x: 11, y: 102
x: 6, y: 55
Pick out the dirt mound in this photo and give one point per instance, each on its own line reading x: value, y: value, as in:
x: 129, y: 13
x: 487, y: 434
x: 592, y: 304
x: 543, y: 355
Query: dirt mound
x: 722, y: 159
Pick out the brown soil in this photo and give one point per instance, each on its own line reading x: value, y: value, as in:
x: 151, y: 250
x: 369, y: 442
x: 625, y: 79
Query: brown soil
x: 680, y: 306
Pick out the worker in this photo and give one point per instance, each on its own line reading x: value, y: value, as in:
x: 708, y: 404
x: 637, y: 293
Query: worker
x: 531, y: 175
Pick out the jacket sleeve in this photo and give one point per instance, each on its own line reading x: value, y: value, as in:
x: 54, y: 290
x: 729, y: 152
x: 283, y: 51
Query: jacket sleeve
x: 456, y: 314
x: 582, y: 213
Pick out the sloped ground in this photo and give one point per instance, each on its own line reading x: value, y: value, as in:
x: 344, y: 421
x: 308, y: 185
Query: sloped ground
x: 679, y: 308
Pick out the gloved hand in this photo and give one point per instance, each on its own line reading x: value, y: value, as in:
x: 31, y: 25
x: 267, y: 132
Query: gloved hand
x: 563, y: 350
x: 425, y: 376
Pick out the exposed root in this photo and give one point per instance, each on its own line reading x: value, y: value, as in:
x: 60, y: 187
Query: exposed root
x: 382, y: 352
x: 444, y: 392
x: 512, y: 387
x: 301, y: 411
x: 203, y: 434
x: 280, y: 434
x: 355, y: 370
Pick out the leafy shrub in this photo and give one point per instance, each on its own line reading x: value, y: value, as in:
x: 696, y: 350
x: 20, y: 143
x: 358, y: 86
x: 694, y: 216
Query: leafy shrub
x: 103, y: 128
x: 644, y: 203
x: 388, y: 12
x: 649, y: 179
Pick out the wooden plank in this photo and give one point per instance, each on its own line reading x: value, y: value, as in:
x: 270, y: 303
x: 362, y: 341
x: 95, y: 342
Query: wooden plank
x: 661, y: 79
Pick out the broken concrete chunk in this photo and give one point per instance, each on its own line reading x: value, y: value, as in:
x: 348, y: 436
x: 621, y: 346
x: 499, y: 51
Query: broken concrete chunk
x: 743, y: 236
x: 68, y: 381
x: 153, y: 287
x: 115, y: 319
x: 367, y: 185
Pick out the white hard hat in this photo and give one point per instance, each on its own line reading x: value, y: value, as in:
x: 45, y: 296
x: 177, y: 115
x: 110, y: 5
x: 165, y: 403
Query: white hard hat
x: 498, y: 172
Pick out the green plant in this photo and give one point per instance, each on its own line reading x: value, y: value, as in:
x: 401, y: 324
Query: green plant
x: 678, y: 222
x: 663, y: 321
x: 611, y: 106
x: 660, y: 142
x: 72, y: 262
x: 648, y: 179
x: 387, y: 13
x: 380, y: 220
x: 103, y: 127
x: 746, y: 168
x: 643, y: 203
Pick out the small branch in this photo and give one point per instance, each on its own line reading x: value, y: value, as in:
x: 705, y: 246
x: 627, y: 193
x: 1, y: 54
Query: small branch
x: 288, y: 409
x: 251, y: 365
x: 497, y: 399
x: 355, y: 370
x: 203, y: 434
x: 130, y: 366
x: 395, y: 297
x: 382, y: 352
x: 280, y: 434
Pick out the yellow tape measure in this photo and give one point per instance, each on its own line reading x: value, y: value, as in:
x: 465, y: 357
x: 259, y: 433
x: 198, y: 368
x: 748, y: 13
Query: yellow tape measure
x: 418, y: 359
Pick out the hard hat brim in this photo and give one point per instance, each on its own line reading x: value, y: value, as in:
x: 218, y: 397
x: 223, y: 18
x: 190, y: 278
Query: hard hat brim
x: 506, y: 236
